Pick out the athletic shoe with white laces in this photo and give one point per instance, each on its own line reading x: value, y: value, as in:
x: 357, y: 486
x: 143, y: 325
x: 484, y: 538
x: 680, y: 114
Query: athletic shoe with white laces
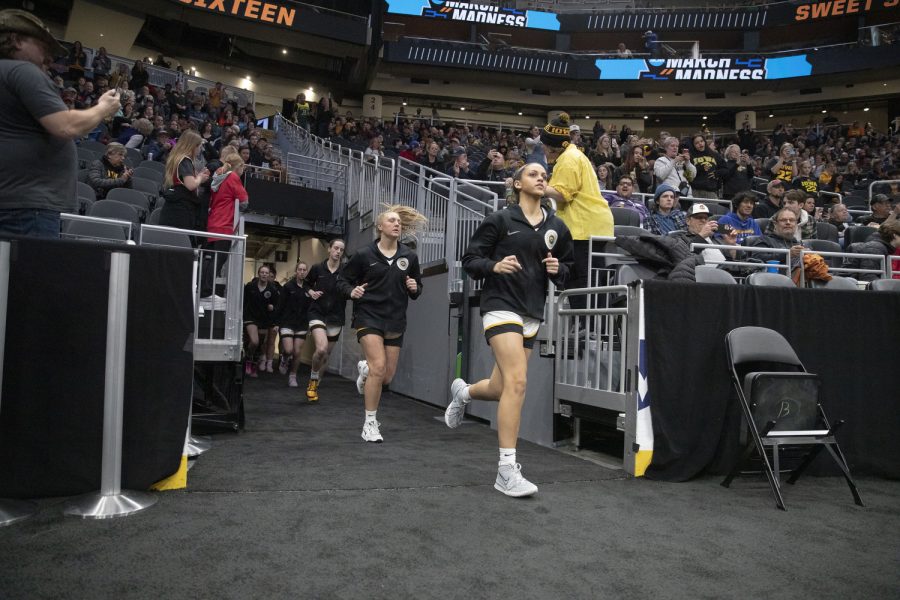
x: 292, y: 381
x: 510, y: 481
x: 363, y: 368
x: 370, y: 432
x: 456, y: 410
x: 269, y: 368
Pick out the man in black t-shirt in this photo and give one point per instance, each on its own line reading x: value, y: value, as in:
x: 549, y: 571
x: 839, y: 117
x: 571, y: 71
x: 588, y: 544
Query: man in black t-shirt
x: 37, y: 180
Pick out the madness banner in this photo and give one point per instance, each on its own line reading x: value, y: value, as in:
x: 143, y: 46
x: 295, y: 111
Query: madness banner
x: 719, y: 69
x: 472, y: 12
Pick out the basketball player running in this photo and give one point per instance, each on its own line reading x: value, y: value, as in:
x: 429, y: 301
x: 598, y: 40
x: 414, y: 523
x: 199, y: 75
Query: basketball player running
x: 516, y: 251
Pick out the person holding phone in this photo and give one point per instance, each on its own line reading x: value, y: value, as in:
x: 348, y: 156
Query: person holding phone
x: 784, y: 166
x: 37, y: 180
x: 675, y: 168
x: 516, y: 251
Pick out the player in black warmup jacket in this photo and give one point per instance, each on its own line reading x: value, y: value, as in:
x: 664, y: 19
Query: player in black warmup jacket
x: 293, y: 319
x: 326, y: 312
x: 516, y: 251
x: 260, y: 300
x: 381, y: 278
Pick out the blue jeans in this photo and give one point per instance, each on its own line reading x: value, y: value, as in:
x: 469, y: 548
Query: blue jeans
x: 30, y: 221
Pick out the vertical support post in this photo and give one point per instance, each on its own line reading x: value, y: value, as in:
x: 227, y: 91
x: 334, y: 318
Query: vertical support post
x: 112, y: 501
x: 11, y: 511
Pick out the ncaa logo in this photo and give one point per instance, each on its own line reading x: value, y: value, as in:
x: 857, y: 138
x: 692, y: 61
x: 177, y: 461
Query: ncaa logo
x: 550, y: 238
x: 402, y: 264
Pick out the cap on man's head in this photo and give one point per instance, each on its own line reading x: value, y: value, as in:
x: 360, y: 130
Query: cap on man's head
x: 697, y: 209
x: 574, y: 128
x: 774, y: 184
x: 161, y: 132
x: 879, y: 199
x: 556, y: 133
x: 19, y: 21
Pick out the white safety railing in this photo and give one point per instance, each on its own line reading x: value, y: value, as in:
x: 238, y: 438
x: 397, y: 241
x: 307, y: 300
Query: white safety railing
x: 98, y: 229
x: 320, y: 174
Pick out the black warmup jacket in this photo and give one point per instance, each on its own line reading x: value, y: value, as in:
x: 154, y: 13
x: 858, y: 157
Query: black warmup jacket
x: 330, y: 307
x: 256, y: 303
x: 507, y: 232
x: 293, y: 305
x: 383, y: 306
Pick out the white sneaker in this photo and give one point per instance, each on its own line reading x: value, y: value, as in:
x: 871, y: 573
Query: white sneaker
x: 363, y: 368
x: 510, y: 482
x: 213, y: 302
x: 292, y: 381
x: 456, y: 410
x: 370, y: 432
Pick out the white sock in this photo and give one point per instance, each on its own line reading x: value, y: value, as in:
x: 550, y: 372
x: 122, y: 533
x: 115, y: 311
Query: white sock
x: 313, y: 374
x: 370, y: 415
x: 466, y: 398
x: 508, y: 456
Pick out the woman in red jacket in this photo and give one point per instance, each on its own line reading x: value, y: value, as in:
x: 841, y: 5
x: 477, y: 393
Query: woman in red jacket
x: 226, y: 188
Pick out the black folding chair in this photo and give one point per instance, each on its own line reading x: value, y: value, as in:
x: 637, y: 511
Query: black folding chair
x: 823, y: 245
x: 137, y: 199
x: 838, y: 283
x: 826, y: 231
x: 625, y: 216
x: 780, y: 407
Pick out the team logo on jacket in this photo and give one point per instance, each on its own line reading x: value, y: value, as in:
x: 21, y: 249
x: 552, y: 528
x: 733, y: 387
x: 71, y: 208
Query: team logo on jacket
x: 550, y: 238
x: 402, y: 264
x: 267, y: 294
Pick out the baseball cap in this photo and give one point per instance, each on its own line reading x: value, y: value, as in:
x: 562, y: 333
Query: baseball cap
x: 573, y: 128
x: 161, y: 131
x: 697, y: 209
x: 20, y: 21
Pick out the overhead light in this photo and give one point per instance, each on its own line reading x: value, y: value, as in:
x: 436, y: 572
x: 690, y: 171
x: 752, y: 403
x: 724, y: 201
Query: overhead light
x: 150, y: 60
x: 771, y: 115
x: 704, y: 117
x: 404, y: 103
x: 520, y: 112
x: 101, y: 35
x: 866, y: 109
x: 884, y: 84
x: 247, y: 78
x: 587, y: 116
x: 462, y: 108
x: 646, y: 117
x: 284, y: 50
x: 824, y: 110
x: 660, y: 97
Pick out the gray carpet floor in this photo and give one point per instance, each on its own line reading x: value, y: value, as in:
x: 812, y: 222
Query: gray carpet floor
x: 298, y: 506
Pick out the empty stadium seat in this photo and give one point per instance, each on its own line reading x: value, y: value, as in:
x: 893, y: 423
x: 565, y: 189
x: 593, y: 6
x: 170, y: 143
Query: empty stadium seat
x: 151, y: 174
x: 95, y: 231
x: 837, y: 283
x: 764, y: 279
x: 711, y: 274
x: 625, y: 216
x: 133, y: 197
x: 885, y: 285
x: 826, y: 246
x: 113, y: 209
x: 860, y: 233
x: 152, y: 164
x: 86, y: 157
x: 826, y: 231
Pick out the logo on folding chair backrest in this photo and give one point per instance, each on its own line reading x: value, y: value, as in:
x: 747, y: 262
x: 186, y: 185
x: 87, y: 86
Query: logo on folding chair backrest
x: 791, y: 403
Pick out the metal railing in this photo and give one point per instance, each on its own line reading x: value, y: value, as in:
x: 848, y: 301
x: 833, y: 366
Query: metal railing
x: 881, y: 182
x: 264, y: 173
x: 98, y: 231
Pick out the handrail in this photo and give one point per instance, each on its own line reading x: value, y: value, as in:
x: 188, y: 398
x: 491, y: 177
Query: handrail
x: 889, y: 181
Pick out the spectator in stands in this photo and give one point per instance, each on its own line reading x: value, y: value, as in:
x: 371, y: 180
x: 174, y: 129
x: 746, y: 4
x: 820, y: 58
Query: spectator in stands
x: 77, y: 61
x: 606, y: 151
x: 841, y: 219
x: 493, y: 167
x: 809, y: 205
x: 412, y: 153
x: 706, y: 161
x: 605, y: 176
x: 574, y: 188
x: 133, y: 136
x: 302, y: 111
x: 827, y: 174
x: 119, y: 78
x: 182, y: 207
x: 638, y: 169
x: 745, y: 137
x: 575, y: 134
x: 880, y: 205
x: 885, y: 243
x: 783, y: 236
x: 740, y: 219
x: 110, y: 171
x: 772, y: 203
x: 459, y: 168
x: 804, y: 180
x: 652, y: 44
x: 101, y: 65
x: 736, y: 174
x: 139, y: 76
x: 159, y: 146
x: 226, y: 189
x: 374, y: 151
x: 534, y: 150
x: 324, y: 114
x: 622, y: 51
x: 38, y: 168
x: 855, y: 130
x: 666, y: 215
x: 623, y: 199
x: 701, y: 230
x: 244, y: 153
x: 85, y: 98
x: 216, y: 99
x: 431, y: 158
x: 806, y: 225
x: 675, y: 168
x: 783, y: 166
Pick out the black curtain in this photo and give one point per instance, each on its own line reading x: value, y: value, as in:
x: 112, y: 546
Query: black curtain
x: 51, y: 416
x: 848, y: 338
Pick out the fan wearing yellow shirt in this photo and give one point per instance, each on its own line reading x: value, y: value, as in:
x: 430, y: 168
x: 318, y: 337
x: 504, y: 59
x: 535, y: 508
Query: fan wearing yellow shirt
x: 576, y: 191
